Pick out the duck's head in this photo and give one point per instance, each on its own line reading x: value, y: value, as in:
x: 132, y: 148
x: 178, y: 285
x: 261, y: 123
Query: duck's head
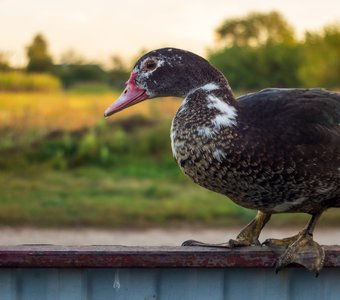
x: 165, y: 72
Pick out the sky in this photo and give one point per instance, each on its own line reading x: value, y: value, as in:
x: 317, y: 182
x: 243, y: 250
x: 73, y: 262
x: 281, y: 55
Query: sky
x: 102, y: 28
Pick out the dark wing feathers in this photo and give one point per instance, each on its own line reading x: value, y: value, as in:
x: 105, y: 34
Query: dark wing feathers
x: 298, y: 116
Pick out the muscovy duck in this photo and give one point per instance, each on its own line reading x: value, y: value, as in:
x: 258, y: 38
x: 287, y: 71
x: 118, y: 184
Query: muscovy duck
x: 276, y: 151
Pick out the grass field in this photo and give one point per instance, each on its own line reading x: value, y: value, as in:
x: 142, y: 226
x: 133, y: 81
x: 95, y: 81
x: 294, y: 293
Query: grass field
x: 62, y: 164
x: 71, y: 110
x: 96, y: 197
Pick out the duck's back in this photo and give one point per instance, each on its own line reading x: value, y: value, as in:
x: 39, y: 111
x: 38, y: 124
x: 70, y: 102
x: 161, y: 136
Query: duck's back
x: 297, y: 116
x: 304, y: 126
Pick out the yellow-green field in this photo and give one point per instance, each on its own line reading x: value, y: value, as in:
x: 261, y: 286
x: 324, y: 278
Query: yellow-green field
x: 71, y: 111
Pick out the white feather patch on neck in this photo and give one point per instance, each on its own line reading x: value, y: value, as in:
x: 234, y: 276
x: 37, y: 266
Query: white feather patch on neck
x: 228, y: 112
x: 210, y: 87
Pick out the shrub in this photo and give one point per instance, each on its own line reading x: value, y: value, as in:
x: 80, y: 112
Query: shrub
x: 19, y: 81
x: 109, y: 144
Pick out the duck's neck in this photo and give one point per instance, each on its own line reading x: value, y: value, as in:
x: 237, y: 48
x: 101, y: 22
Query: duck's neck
x: 218, y: 87
x: 208, y: 114
x: 214, y: 82
x: 211, y: 93
x: 211, y: 105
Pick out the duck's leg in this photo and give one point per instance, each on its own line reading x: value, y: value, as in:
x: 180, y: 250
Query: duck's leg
x: 248, y: 236
x: 300, y: 249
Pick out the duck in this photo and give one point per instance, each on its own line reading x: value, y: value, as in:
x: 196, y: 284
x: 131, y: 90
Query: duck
x: 274, y: 151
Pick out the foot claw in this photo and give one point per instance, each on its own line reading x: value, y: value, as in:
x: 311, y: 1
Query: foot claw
x: 230, y: 244
x: 303, y: 251
x: 277, y: 269
x: 282, y: 244
x: 278, y: 265
x: 239, y: 242
x: 247, y: 237
x: 191, y: 243
x: 267, y: 242
x: 201, y: 244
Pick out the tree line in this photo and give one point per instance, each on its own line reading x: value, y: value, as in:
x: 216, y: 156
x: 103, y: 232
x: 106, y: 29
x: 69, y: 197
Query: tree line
x: 254, y: 51
x: 262, y: 50
x: 72, y: 68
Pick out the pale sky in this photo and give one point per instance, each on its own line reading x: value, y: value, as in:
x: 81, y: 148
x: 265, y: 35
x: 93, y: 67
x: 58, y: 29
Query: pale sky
x: 101, y: 28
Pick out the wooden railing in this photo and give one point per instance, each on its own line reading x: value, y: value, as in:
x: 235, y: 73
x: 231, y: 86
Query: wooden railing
x: 144, y: 257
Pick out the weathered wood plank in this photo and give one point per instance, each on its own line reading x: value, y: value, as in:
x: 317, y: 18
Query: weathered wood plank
x: 146, y: 257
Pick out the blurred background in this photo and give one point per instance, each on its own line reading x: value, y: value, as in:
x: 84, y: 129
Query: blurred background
x: 62, y: 166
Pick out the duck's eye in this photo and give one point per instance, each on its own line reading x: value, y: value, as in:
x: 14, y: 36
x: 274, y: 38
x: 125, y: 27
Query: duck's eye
x: 150, y: 64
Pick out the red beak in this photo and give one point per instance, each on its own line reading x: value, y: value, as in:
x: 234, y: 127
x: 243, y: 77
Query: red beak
x: 130, y: 96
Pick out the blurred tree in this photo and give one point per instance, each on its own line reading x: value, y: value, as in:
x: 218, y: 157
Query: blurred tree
x: 4, y: 62
x: 73, y: 74
x: 39, y: 60
x: 256, y: 29
x: 74, y: 70
x: 118, y: 72
x: 71, y: 57
x: 117, y: 63
x: 239, y: 65
x: 259, y: 50
x: 321, y: 59
x: 280, y: 64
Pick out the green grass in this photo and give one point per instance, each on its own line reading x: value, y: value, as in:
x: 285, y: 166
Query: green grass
x: 91, y: 196
x: 108, y: 198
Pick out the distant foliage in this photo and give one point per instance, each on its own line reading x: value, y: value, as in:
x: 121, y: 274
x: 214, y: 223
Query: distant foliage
x: 106, y: 145
x: 118, y: 73
x: 256, y: 29
x: 321, y: 58
x: 72, y: 74
x: 260, y: 50
x: 4, y: 63
x: 249, y: 68
x: 39, y: 60
x: 19, y: 81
